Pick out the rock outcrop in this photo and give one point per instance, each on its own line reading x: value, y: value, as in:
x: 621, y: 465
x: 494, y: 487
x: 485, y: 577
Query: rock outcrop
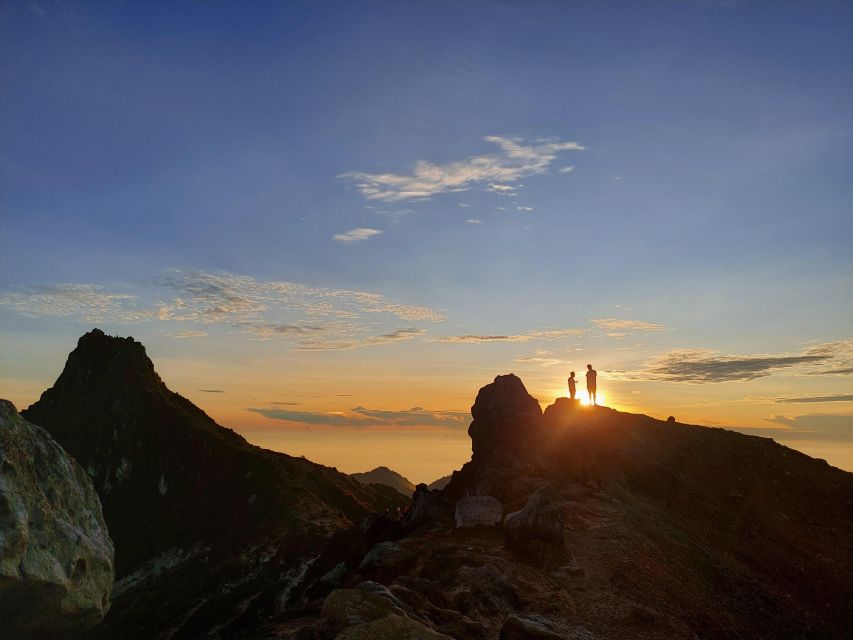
x: 505, y: 417
x: 56, y: 557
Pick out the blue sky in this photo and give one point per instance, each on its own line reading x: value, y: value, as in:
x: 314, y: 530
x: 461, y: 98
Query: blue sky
x: 156, y: 150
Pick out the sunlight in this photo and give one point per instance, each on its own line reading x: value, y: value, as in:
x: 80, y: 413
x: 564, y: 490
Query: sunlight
x: 583, y: 396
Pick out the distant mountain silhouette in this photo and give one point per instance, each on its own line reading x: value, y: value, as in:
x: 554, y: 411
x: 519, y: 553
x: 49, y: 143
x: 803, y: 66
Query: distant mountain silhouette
x: 440, y: 483
x: 387, y: 477
x: 178, y: 490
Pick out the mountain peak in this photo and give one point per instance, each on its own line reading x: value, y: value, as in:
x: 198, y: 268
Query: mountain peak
x: 110, y: 354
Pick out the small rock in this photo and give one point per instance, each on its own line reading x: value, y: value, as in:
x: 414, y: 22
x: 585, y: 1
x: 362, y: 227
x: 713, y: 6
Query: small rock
x: 537, y: 627
x: 347, y: 607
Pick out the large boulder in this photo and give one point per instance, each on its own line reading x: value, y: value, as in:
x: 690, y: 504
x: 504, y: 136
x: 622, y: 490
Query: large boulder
x: 540, y: 521
x: 475, y: 511
x: 56, y: 557
x: 503, y: 414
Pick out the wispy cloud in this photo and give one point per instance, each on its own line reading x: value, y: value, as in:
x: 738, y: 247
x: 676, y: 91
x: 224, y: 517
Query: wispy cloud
x: 89, y: 302
x: 541, y: 361
x: 211, y: 390
x: 813, y: 399
x: 355, y: 235
x: 565, y: 169
x: 526, y: 209
x: 704, y: 365
x: 536, y: 334
x: 630, y: 325
x: 474, y: 221
x: 362, y: 417
x: 503, y: 189
x: 215, y: 296
x: 313, y: 318
x: 331, y: 344
x: 515, y: 159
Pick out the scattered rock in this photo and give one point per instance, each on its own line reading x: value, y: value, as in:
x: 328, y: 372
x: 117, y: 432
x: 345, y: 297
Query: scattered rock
x: 536, y: 627
x: 56, y: 557
x: 476, y: 511
x: 541, y: 520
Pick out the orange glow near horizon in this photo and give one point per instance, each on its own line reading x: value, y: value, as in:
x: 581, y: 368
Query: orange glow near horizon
x: 586, y: 401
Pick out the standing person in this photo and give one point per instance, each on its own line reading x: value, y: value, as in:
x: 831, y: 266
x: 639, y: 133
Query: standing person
x: 572, y: 385
x: 591, y: 375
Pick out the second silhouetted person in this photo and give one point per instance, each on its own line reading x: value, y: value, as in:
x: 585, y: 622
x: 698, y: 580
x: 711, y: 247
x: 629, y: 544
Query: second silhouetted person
x: 591, y: 375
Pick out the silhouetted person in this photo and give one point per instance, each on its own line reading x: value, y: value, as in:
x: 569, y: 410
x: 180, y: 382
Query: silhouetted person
x: 591, y: 375
x: 572, y: 385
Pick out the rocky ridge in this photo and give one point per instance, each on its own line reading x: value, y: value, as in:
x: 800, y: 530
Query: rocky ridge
x: 618, y: 526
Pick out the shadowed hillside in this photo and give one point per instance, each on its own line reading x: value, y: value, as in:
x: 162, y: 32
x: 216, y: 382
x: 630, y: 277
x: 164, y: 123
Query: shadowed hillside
x: 180, y: 492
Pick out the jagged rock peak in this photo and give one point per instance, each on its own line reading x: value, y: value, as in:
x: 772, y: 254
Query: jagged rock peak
x: 111, y: 350
x: 504, y: 413
x: 507, y: 399
x: 107, y: 361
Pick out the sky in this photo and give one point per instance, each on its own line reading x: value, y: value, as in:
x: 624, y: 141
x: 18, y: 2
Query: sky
x: 332, y: 223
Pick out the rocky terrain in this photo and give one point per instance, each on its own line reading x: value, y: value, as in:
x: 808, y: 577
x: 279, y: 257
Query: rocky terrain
x: 56, y: 557
x: 576, y: 522
x: 387, y: 477
x: 202, y: 521
x: 616, y: 526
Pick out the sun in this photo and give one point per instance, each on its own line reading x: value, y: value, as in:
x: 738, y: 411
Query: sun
x: 600, y: 399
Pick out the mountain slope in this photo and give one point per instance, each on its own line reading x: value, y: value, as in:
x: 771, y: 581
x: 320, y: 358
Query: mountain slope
x: 387, y: 477
x: 440, y: 483
x: 176, y: 486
